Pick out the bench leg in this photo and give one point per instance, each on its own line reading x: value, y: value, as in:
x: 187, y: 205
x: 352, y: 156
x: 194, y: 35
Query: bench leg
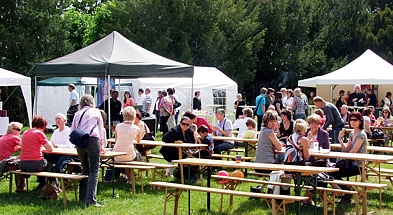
x: 141, y: 178
x: 11, y: 182
x: 63, y: 191
x: 325, y: 198
x: 274, y: 207
x: 75, y: 187
x: 364, y: 190
x: 357, y: 203
x: 177, y: 196
x: 380, y: 198
x: 153, y: 176
x: 132, y: 181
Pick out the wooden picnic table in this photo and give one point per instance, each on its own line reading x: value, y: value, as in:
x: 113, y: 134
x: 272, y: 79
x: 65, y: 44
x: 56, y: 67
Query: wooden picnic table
x: 369, y: 148
x: 182, y: 148
x: 365, y: 159
x: 106, y: 159
x: 299, y: 170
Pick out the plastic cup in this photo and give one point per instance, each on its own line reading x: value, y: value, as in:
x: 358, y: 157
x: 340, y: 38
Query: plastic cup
x: 355, y: 104
x: 238, y: 158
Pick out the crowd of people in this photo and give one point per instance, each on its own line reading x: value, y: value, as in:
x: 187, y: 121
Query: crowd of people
x: 282, y: 122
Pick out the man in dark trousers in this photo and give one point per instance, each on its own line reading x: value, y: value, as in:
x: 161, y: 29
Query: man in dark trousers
x: 357, y: 98
x: 332, y: 115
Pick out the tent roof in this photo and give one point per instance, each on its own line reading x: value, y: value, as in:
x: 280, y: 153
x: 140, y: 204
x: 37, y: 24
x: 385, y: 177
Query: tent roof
x: 9, y: 78
x: 368, y: 68
x: 113, y: 55
x: 64, y: 81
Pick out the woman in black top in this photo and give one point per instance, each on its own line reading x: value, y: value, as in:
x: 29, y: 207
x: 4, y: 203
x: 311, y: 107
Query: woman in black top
x: 278, y: 103
x: 196, y: 102
x: 285, y: 128
x: 239, y: 102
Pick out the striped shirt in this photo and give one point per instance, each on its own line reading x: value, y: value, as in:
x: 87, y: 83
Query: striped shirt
x: 90, y: 118
x: 147, y: 100
x: 301, y: 106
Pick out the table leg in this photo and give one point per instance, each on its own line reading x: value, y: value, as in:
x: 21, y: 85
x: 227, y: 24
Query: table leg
x: 316, y: 193
x: 246, y: 154
x: 189, y: 192
x: 208, y: 185
x: 112, y: 166
x: 180, y: 154
x: 297, y: 190
x: 363, y: 179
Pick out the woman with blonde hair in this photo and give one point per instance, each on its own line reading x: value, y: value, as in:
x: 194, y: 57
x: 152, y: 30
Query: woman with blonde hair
x: 125, y: 135
x: 299, y: 105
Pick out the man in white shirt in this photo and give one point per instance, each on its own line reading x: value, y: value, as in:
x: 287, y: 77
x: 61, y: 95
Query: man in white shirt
x: 240, y: 123
x: 141, y: 97
x: 73, y: 104
x: 146, y: 104
x: 60, y: 139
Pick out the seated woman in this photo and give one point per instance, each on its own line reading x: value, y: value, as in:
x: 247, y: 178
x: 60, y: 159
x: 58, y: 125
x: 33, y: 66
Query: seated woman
x: 386, y: 120
x: 60, y: 139
x: 315, y: 133
x: 357, y: 143
x: 180, y: 132
x: 285, y: 128
x: 194, y: 119
x: 240, y: 123
x: 297, y: 151
x: 321, y: 114
x: 268, y: 142
x: 9, y: 143
x: 125, y: 135
x: 31, y: 158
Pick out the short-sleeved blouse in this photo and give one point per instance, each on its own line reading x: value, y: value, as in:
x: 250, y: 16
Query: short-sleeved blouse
x: 363, y: 148
x: 265, y: 150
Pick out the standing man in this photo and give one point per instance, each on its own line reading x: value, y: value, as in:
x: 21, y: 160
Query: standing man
x: 269, y: 97
x: 239, y: 102
x: 140, y: 98
x: 371, y: 98
x: 332, y: 115
x: 115, y: 107
x: 146, y: 104
x: 157, y: 108
x: 260, y: 107
x: 357, y: 96
x: 74, y: 101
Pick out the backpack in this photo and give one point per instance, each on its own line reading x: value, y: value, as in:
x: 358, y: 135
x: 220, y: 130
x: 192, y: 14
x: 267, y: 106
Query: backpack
x: 339, y: 102
x: 294, y: 152
x: 50, y: 191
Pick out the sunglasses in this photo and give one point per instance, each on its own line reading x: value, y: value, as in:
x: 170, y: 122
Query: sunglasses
x: 18, y: 129
x: 355, y: 120
x: 185, y: 124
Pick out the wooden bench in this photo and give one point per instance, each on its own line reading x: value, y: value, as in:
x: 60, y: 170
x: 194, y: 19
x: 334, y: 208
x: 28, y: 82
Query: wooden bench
x: 130, y: 167
x: 269, y: 198
x: 62, y: 176
x: 237, y: 151
x: 150, y: 156
x: 233, y: 157
x: 361, y: 188
x: 265, y: 176
x: 328, y: 195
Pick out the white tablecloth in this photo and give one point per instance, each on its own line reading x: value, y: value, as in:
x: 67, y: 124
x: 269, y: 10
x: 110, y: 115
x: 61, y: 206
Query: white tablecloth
x: 4, y: 121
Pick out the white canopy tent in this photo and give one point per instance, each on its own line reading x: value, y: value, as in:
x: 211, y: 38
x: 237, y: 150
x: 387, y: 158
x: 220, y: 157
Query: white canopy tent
x: 215, y: 87
x: 368, y: 68
x: 9, y: 78
x: 207, y: 80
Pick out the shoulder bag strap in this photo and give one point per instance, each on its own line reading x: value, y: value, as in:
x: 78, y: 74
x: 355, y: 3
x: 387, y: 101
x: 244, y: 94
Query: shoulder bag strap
x: 259, y: 102
x: 80, y: 119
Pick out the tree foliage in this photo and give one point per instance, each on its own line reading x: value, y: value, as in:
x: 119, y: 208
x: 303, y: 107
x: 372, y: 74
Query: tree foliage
x: 257, y: 43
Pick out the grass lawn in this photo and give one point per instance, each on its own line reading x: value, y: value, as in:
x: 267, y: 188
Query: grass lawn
x: 152, y: 202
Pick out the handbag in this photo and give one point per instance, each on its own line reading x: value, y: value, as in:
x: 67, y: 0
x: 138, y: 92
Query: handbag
x: 176, y: 104
x: 79, y: 137
x: 377, y: 134
x: 143, y: 148
x: 343, y: 164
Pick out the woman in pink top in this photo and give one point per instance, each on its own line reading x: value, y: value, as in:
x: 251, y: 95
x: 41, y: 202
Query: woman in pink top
x: 128, y: 101
x: 194, y: 119
x: 125, y: 135
x: 10, y: 143
x: 31, y: 158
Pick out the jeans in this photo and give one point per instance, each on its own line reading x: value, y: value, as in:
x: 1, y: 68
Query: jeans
x: 335, y: 131
x: 299, y: 116
x: 90, y: 159
x: 259, y: 122
x: 157, y: 113
x: 38, y: 166
x: 223, y: 146
x: 177, y: 117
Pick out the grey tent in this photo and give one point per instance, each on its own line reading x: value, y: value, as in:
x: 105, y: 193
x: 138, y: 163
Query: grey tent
x: 115, y: 56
